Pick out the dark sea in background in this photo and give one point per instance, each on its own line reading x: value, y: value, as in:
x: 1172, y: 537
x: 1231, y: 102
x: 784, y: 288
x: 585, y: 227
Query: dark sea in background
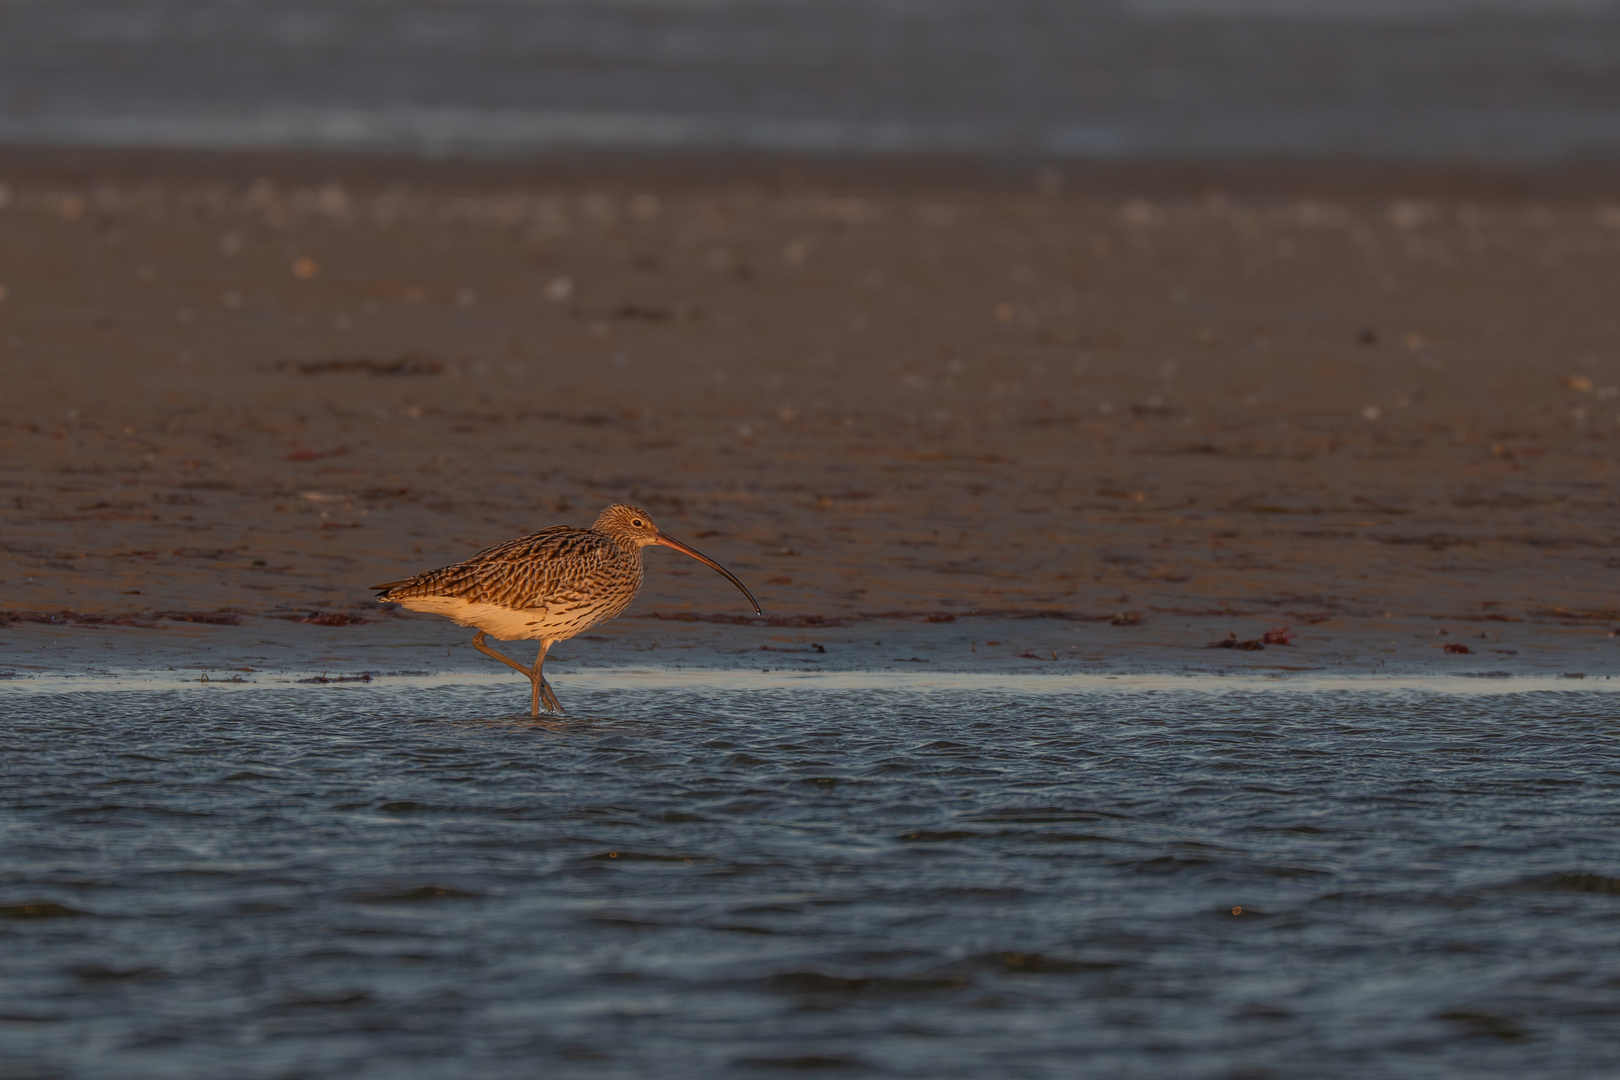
x: 357, y: 882
x: 1488, y: 80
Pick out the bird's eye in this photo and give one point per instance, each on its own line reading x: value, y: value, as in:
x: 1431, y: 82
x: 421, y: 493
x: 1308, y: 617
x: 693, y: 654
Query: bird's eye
x: 636, y: 523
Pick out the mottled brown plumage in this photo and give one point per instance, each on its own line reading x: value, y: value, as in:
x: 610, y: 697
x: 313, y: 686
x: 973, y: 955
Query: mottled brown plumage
x: 548, y: 586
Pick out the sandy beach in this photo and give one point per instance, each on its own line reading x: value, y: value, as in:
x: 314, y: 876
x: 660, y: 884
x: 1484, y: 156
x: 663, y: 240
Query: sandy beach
x: 1149, y: 406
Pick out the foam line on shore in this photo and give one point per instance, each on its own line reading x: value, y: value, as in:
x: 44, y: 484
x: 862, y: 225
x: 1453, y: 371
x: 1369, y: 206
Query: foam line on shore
x: 448, y: 132
x: 641, y: 678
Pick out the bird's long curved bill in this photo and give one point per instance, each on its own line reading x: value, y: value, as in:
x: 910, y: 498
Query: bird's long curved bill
x: 706, y: 561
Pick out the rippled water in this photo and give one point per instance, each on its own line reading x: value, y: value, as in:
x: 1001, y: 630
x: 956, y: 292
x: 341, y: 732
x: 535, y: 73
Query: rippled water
x: 352, y: 882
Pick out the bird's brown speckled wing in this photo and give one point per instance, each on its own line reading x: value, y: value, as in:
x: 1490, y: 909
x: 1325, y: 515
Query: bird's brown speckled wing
x: 561, y: 565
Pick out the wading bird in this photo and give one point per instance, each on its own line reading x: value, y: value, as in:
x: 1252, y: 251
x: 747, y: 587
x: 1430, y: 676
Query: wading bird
x: 548, y: 586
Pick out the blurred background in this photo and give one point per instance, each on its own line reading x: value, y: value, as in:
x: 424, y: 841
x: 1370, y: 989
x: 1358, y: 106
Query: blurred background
x: 1488, y: 80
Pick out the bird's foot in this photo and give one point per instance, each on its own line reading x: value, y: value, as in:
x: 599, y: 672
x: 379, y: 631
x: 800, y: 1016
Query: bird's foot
x: 541, y: 696
x: 550, y: 699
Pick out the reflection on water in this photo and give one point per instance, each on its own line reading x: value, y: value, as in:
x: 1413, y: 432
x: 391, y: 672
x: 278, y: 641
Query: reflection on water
x: 337, y: 882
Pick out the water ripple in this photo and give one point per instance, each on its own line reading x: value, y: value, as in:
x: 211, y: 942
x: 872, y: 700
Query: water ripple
x: 776, y: 879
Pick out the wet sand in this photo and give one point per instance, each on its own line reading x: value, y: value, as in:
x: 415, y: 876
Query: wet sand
x: 1099, y: 416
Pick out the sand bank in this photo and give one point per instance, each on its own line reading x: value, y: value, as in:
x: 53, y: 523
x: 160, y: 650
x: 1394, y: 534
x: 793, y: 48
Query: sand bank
x: 1157, y: 404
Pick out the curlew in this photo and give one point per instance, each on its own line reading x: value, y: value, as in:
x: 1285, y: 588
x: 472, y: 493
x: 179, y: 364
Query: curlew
x: 548, y: 586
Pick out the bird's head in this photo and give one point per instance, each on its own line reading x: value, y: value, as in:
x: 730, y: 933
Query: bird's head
x: 627, y: 524
x: 634, y: 526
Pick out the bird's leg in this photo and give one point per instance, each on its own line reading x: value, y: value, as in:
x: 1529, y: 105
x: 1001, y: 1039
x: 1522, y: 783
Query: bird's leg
x: 540, y: 689
x: 478, y: 643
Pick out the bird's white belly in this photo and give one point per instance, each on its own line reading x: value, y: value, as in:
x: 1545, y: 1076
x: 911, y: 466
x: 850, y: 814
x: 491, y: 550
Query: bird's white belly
x: 508, y: 624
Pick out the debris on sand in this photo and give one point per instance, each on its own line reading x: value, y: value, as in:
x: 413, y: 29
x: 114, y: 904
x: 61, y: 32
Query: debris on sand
x: 146, y: 620
x: 324, y: 618
x: 303, y: 454
x: 224, y: 617
x: 1230, y: 641
x: 1455, y: 647
x: 1277, y: 635
x: 407, y: 364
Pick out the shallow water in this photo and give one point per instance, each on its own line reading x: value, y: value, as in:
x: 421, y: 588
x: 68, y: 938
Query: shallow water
x: 347, y: 881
